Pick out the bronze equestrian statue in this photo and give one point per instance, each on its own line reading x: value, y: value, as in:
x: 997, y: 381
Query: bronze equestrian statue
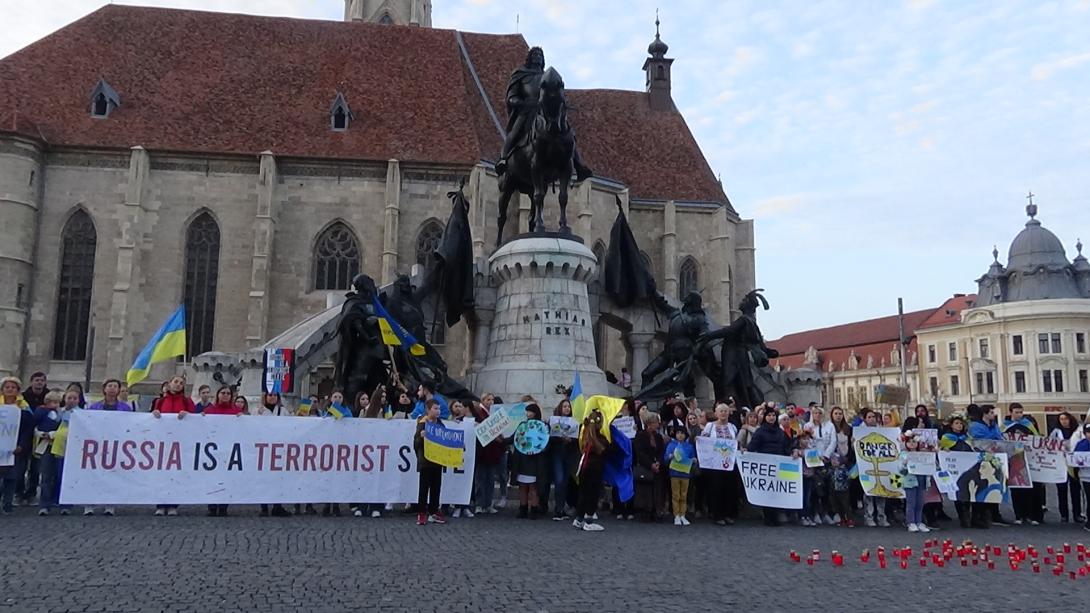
x: 539, y: 148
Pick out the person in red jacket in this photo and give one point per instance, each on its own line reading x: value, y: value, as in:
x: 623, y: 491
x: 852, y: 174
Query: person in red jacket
x: 174, y: 401
x: 224, y: 405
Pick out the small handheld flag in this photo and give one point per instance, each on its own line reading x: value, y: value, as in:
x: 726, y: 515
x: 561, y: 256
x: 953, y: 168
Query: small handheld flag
x: 339, y: 411
x: 167, y: 342
x: 304, y: 408
x: 393, y: 333
x: 578, y: 400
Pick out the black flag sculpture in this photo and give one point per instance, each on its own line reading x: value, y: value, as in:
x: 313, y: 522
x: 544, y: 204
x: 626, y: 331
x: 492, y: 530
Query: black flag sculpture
x: 625, y: 276
x: 454, y: 259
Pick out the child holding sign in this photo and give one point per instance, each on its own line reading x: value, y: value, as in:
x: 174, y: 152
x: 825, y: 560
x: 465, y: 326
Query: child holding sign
x: 679, y: 456
x: 431, y: 474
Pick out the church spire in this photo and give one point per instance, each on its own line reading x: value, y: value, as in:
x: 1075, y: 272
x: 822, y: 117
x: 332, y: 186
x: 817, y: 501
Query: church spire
x: 657, y: 69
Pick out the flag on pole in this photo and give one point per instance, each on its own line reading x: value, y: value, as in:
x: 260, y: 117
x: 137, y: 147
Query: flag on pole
x: 393, y: 334
x: 168, y: 342
x: 578, y: 400
x: 339, y: 411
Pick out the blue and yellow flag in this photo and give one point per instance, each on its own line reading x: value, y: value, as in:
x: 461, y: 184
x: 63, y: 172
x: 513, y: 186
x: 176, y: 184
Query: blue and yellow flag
x: 393, y: 333
x: 305, y: 406
x: 789, y: 471
x: 339, y: 411
x: 168, y: 342
x: 578, y: 400
x: 610, y: 408
x: 444, y: 446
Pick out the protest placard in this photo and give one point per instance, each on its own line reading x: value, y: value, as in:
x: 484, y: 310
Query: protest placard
x: 494, y: 425
x: 444, y: 446
x: 563, y: 427
x: 875, y: 450
x: 516, y: 414
x: 771, y: 480
x: 946, y: 483
x: 627, y: 426
x: 980, y: 477
x: 813, y: 458
x: 926, y: 438
x: 716, y: 453
x: 125, y: 458
x: 9, y: 433
x: 921, y: 462
x: 1018, y: 475
x: 531, y: 437
x: 1079, y: 459
x: 1046, y: 460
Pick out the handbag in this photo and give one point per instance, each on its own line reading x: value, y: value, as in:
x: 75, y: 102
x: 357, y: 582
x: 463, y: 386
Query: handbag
x: 642, y: 474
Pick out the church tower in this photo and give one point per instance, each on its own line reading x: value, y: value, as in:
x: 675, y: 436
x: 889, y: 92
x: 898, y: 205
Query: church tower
x: 657, y: 68
x: 389, y: 12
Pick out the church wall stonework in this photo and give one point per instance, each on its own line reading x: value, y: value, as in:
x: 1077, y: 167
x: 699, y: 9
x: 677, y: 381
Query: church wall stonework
x: 20, y: 184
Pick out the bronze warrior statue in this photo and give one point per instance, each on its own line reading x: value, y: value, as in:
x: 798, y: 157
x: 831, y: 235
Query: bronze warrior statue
x: 360, y: 353
x: 671, y: 371
x: 743, y: 347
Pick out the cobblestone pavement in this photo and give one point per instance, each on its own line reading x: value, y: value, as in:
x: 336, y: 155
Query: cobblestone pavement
x: 136, y: 562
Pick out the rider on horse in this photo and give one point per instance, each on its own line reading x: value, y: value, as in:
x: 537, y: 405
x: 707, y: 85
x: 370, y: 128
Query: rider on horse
x: 522, y: 106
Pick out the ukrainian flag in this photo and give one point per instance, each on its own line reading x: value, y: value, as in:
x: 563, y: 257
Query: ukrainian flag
x: 339, y: 411
x: 393, y: 334
x: 444, y: 446
x: 578, y: 400
x: 789, y: 471
x: 304, y: 408
x: 168, y: 342
x: 609, y: 407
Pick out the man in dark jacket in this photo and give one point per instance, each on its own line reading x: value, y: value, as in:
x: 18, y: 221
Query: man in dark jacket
x: 769, y: 438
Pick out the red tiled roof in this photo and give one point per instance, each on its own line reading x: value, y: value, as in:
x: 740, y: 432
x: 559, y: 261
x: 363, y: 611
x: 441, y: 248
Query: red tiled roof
x: 880, y: 353
x: 950, y: 311
x: 238, y: 84
x: 871, y: 331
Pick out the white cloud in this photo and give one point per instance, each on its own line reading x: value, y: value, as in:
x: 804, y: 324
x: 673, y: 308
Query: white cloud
x: 779, y: 205
x: 1046, y: 70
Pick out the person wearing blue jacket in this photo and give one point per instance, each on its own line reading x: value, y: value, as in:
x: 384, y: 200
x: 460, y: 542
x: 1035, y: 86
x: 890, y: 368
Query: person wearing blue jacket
x: 680, y: 456
x: 983, y: 426
x: 424, y: 393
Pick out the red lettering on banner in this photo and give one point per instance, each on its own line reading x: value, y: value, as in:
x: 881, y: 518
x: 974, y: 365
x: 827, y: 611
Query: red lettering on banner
x: 261, y: 455
x: 145, y: 450
x: 90, y: 448
x: 382, y: 457
x: 275, y: 456
x: 325, y: 458
x: 310, y: 451
x: 128, y: 461
x: 174, y: 460
x: 355, y: 455
x: 291, y: 457
x: 109, y: 459
x: 368, y: 464
x: 159, y: 463
x: 344, y: 452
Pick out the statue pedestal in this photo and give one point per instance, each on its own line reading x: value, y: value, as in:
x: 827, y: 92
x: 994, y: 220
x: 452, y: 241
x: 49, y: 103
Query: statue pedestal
x: 542, y: 331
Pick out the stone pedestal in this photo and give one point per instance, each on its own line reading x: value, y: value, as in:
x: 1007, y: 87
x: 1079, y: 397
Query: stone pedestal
x: 541, y: 334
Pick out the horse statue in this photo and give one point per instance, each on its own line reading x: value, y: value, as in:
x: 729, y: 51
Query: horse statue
x: 546, y: 155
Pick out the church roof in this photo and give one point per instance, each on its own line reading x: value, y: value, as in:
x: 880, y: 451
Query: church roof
x: 1034, y: 247
x: 219, y: 83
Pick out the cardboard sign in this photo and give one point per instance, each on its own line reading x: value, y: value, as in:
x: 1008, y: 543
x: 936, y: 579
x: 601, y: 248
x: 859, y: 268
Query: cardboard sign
x: 716, y: 453
x: 921, y: 462
x: 563, y: 427
x: 980, y: 477
x: 10, y: 415
x: 876, y: 451
x: 771, y: 480
x: 627, y: 426
x: 494, y: 425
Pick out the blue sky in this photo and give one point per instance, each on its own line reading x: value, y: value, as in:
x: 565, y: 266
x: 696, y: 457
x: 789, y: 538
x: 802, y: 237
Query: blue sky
x: 882, y: 147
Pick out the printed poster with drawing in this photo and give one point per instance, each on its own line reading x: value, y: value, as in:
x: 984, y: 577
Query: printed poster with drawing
x: 716, y: 453
x: 1018, y: 475
x: 877, y: 450
x: 980, y: 476
x: 1046, y: 460
x: 563, y: 427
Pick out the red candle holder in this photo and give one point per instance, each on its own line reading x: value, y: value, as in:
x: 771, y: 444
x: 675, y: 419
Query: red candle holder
x: 996, y: 550
x: 809, y: 561
x: 795, y: 557
x: 1057, y: 570
x: 923, y: 561
x: 1037, y: 568
x: 991, y: 565
x: 865, y: 556
x: 1071, y: 575
x: 1060, y: 558
x: 838, y: 559
x: 1067, y: 547
x: 1047, y: 561
x: 1050, y: 549
x: 882, y: 562
x: 965, y: 562
x: 941, y: 563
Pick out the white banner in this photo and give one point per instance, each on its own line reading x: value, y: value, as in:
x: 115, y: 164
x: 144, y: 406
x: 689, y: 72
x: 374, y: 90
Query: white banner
x: 771, y: 480
x: 1046, y: 460
x: 716, y: 453
x: 9, y: 433
x: 126, y: 458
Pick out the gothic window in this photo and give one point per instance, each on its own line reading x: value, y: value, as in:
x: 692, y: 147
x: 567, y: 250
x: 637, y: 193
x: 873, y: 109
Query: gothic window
x: 103, y: 99
x: 78, y: 241
x: 101, y: 106
x: 600, y: 255
x: 427, y: 241
x: 336, y: 258
x: 688, y: 279
x: 202, y: 258
x: 647, y: 263
x: 386, y: 20
x: 339, y: 113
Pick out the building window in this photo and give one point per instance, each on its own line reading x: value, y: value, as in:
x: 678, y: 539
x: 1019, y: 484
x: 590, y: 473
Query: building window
x: 863, y: 396
x: 104, y: 99
x: 983, y: 343
x: 955, y: 386
x: 1084, y: 384
x: 427, y: 241
x: 1056, y: 345
x: 952, y: 350
x: 1019, y: 382
x: 20, y: 296
x: 336, y: 258
x: 1080, y: 342
x: 838, y: 396
x: 1058, y: 381
x: 979, y: 383
x: 339, y: 113
x: 931, y: 354
x: 688, y: 279
x: 1046, y: 380
x: 851, y: 398
x: 1042, y: 343
x: 934, y: 385
x: 1017, y: 348
x: 989, y: 382
x: 202, y: 258
x: 386, y: 20
x: 78, y: 241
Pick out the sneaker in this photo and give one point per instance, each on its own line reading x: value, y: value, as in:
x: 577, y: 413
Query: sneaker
x: 108, y: 511
x: 160, y: 512
x: 577, y: 523
x: 836, y: 519
x: 620, y: 516
x: 560, y: 517
x: 923, y: 528
x: 830, y: 521
x: 456, y: 514
x: 88, y: 512
x: 478, y: 510
x: 64, y: 511
x: 1086, y: 527
x: 684, y: 521
x: 593, y: 527
x: 43, y: 512
x: 870, y: 522
x: 677, y: 519
x: 806, y: 521
x: 720, y: 522
x: 375, y: 513
x: 502, y: 503
x: 629, y: 518
x: 437, y: 518
x: 493, y: 510
x: 357, y: 513
x: 913, y: 528
x: 421, y: 519
x: 389, y: 506
x: 1018, y: 522
x: 467, y: 513
x: 883, y: 523
x: 1034, y: 522
x: 172, y: 512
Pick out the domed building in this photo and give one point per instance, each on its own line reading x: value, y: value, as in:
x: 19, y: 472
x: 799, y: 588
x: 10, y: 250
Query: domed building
x: 1025, y: 337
